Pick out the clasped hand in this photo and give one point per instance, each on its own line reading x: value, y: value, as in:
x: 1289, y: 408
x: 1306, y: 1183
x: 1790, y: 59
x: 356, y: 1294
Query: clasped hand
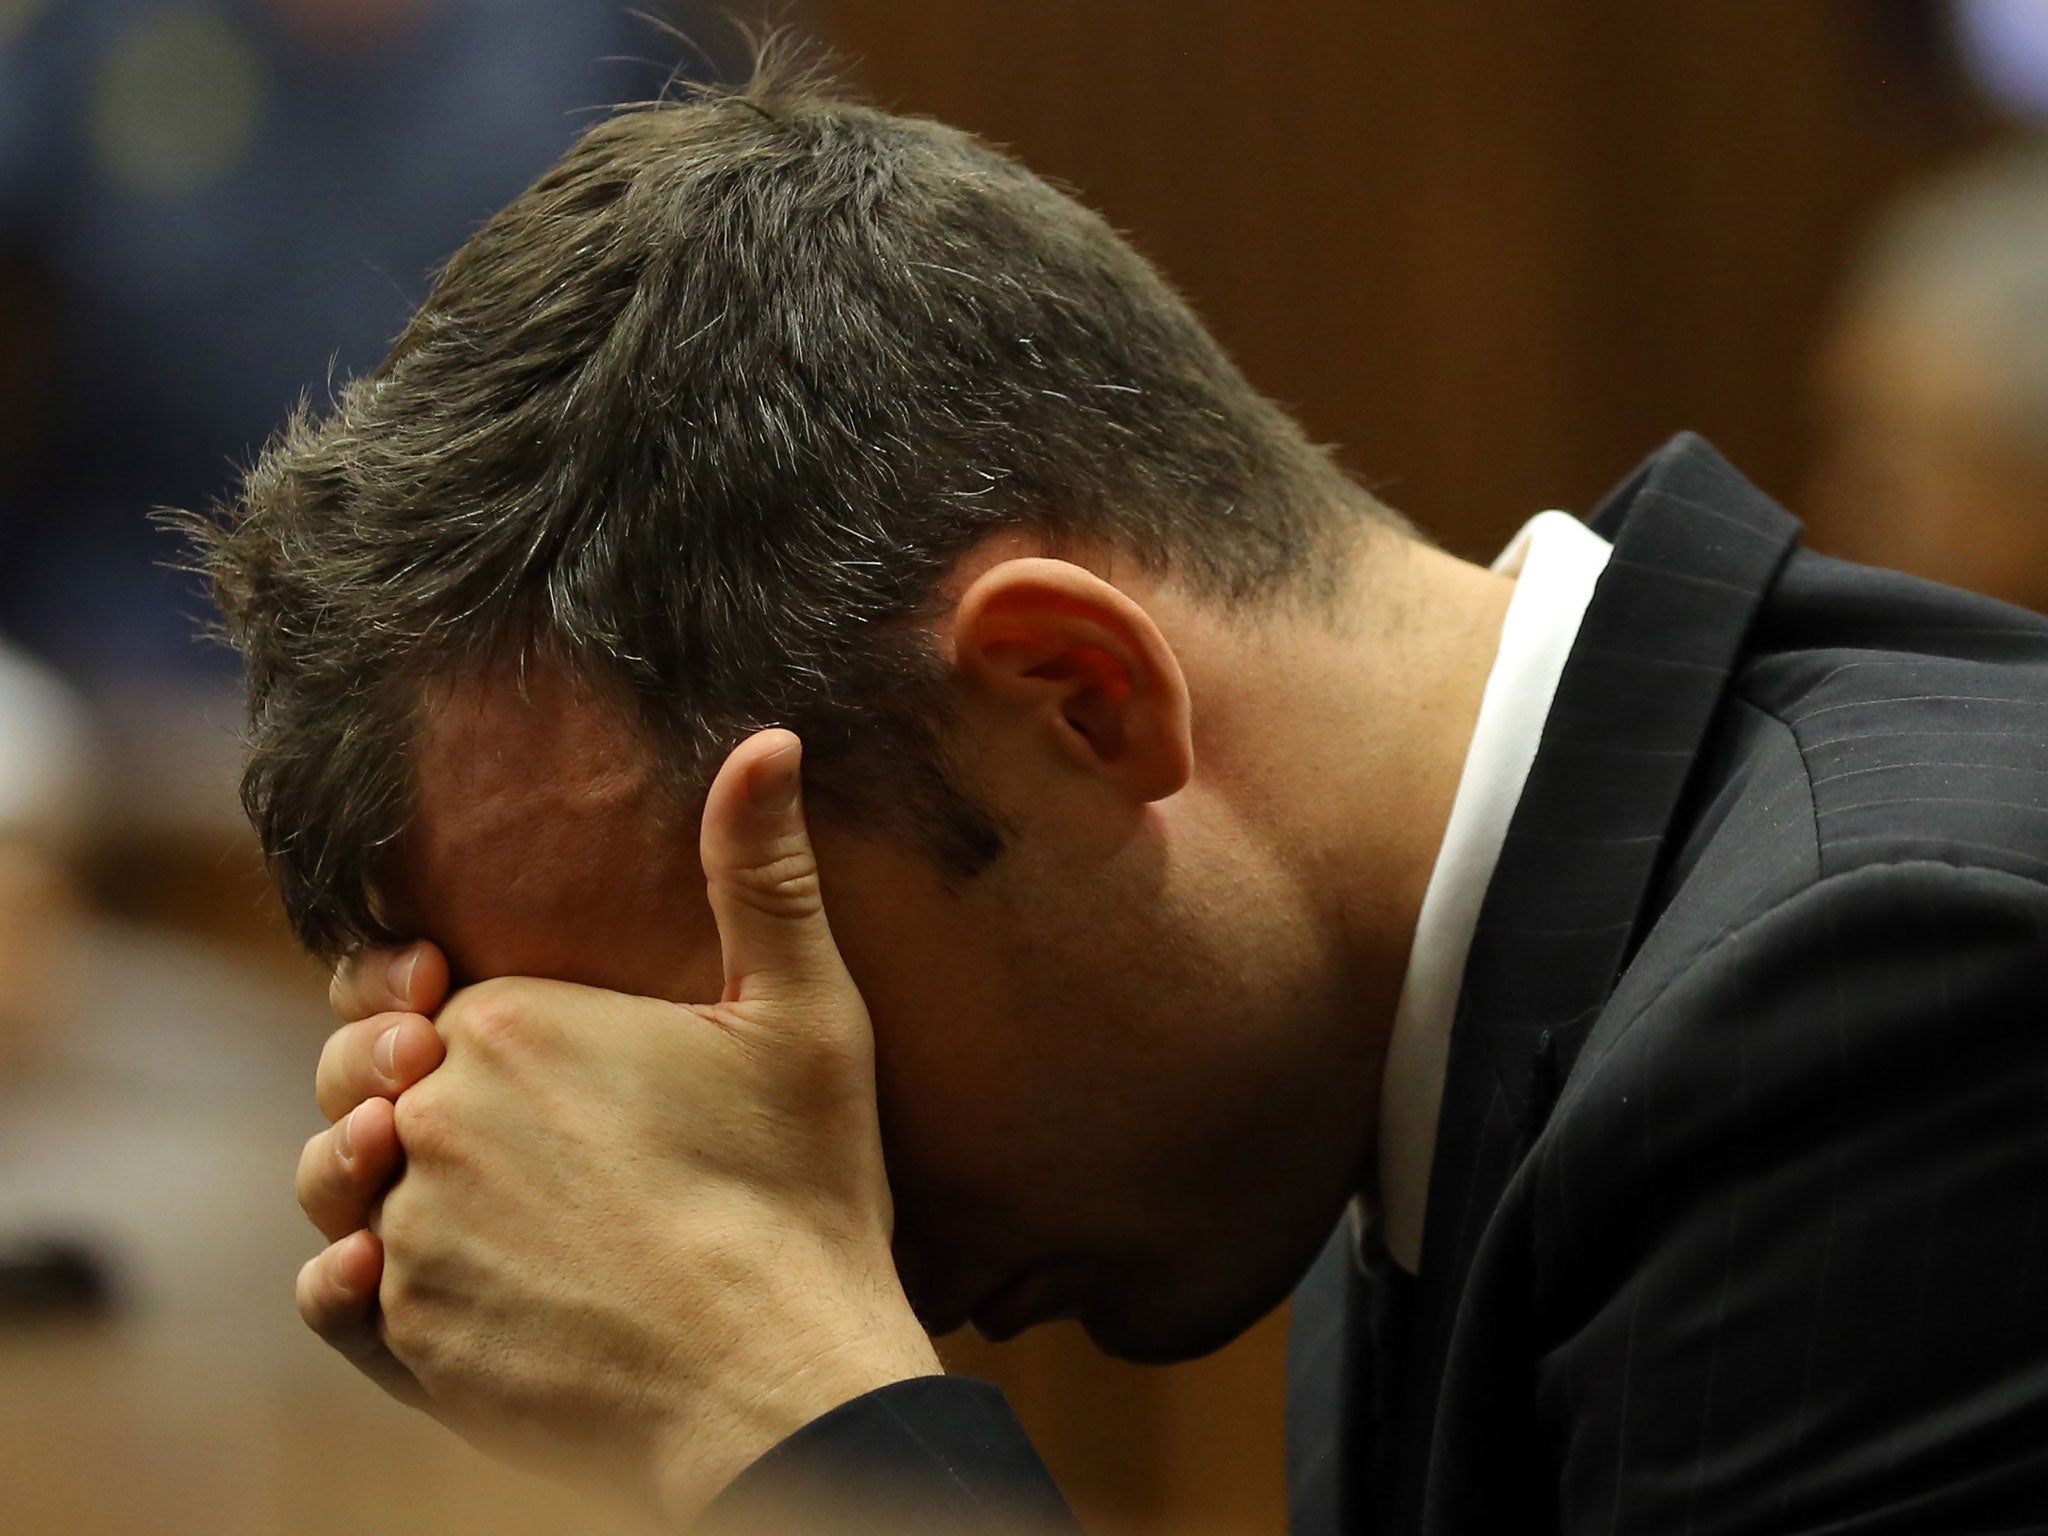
x: 631, y: 1238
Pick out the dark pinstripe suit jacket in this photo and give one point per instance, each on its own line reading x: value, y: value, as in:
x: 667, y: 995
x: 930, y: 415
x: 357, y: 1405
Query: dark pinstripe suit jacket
x: 1736, y: 1222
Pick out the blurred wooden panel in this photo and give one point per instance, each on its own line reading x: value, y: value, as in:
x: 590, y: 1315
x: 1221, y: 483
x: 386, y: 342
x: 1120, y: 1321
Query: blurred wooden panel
x: 1190, y: 1450
x: 1495, y: 253
x: 126, y: 1431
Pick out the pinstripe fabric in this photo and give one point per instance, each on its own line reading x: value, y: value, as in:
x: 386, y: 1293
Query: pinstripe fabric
x: 1737, y: 1221
x: 936, y: 1453
x: 1695, y: 550
x: 1347, y: 1309
x: 1747, y: 1130
x: 1330, y: 1430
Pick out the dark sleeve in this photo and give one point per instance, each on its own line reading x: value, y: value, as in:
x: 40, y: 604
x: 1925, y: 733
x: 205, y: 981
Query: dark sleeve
x: 939, y: 1453
x: 1791, y: 1268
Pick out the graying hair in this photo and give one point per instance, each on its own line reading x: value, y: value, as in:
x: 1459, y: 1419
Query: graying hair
x: 705, y: 415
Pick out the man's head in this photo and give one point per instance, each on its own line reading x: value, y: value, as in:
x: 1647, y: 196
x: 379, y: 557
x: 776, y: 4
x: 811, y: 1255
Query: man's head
x: 767, y: 409
x: 707, y: 413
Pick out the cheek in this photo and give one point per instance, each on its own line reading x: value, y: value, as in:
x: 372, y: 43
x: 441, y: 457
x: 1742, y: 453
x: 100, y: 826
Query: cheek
x: 950, y: 1074
x: 973, y: 1086
x: 1010, y: 1118
x: 1036, y: 1084
x: 936, y: 982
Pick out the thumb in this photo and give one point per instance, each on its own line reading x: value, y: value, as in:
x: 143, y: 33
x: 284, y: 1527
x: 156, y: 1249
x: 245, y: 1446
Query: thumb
x: 762, y: 876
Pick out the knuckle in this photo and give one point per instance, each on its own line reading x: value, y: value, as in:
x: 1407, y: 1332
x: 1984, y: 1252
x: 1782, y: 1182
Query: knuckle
x: 492, y: 1015
x: 784, y: 884
x: 834, y: 1072
x: 394, y: 1231
x: 401, y: 1230
x: 400, y: 1323
x: 399, y: 1287
x: 421, y: 1121
x: 407, y: 1321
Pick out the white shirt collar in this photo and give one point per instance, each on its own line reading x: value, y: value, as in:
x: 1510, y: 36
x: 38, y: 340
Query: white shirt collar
x: 1557, y: 560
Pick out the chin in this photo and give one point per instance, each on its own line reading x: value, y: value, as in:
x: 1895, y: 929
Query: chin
x: 1176, y: 1316
x: 1166, y: 1336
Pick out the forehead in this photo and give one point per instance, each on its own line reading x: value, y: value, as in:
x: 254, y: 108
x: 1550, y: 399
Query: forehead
x: 544, y: 841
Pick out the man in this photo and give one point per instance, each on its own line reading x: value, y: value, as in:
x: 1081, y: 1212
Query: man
x: 1635, y: 951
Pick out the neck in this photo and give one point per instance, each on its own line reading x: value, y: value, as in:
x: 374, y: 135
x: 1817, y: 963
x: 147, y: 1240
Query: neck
x: 1411, y: 682
x: 1354, y: 735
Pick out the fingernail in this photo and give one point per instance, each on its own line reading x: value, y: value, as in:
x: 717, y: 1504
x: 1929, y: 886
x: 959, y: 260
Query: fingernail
x: 345, y: 1135
x: 777, y: 780
x: 402, y: 966
x: 384, y: 1054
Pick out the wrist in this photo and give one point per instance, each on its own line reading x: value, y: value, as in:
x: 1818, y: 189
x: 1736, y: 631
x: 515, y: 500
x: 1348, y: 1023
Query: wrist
x: 935, y: 1453
x: 695, y: 1458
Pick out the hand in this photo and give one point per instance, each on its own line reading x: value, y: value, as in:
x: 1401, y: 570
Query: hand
x: 649, y: 1236
x: 385, y: 1045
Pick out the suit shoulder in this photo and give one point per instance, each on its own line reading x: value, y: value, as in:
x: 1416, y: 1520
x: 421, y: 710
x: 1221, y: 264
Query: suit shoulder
x: 1921, y: 722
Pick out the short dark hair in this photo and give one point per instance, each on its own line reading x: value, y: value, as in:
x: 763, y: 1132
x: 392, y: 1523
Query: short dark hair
x: 705, y: 415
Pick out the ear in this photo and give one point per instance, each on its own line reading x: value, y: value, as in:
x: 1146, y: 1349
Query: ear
x: 1075, y: 660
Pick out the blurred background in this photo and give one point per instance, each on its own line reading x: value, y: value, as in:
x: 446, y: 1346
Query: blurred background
x: 1493, y: 254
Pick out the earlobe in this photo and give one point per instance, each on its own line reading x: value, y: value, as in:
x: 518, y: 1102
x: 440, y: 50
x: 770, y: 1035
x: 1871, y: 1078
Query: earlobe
x: 1067, y: 653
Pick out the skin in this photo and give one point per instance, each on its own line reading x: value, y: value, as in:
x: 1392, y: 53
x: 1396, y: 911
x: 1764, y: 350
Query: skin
x: 1128, y: 1074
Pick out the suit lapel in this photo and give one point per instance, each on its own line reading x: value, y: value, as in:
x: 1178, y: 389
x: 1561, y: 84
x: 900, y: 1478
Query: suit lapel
x: 1329, y: 1433
x: 1347, y: 1310
x: 1695, y: 549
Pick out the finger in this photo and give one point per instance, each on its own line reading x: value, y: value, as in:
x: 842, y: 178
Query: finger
x: 409, y: 980
x: 337, y: 1295
x: 374, y: 1058
x: 345, y: 1169
x: 762, y: 876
